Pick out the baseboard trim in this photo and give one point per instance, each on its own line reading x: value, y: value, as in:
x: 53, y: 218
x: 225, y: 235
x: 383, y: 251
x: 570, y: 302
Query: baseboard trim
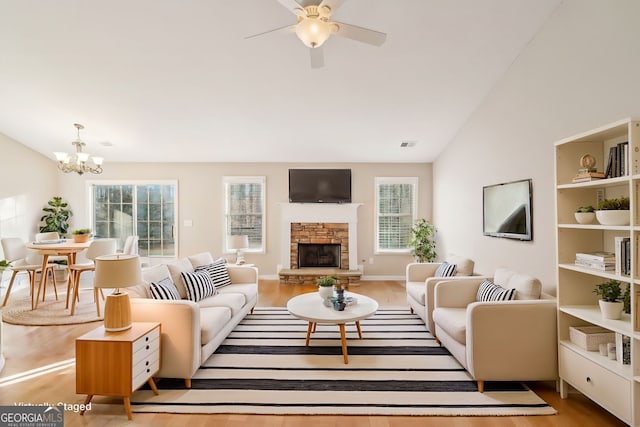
x: 363, y: 278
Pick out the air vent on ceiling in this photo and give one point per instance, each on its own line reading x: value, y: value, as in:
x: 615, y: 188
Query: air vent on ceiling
x: 407, y: 144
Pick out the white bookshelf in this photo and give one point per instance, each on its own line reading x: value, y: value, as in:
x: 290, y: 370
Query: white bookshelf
x: 613, y: 385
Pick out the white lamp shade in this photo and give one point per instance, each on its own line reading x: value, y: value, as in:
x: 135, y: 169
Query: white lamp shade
x: 117, y: 271
x: 238, y: 242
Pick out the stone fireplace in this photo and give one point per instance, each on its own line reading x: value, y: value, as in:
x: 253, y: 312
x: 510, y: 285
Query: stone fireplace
x: 319, y: 244
x: 322, y: 240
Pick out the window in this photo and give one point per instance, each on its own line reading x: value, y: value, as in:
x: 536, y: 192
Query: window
x: 244, y: 210
x: 395, y: 213
x: 147, y: 210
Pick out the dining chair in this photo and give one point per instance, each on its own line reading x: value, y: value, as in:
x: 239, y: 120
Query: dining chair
x: 22, y: 261
x: 130, y: 245
x: 97, y: 248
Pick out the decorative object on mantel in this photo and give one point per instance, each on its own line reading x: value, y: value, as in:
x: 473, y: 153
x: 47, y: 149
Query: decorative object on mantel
x: 423, y: 241
x: 81, y: 235
x: 238, y: 243
x: 613, y: 211
x: 611, y: 304
x: 78, y: 162
x: 585, y: 214
x: 117, y: 271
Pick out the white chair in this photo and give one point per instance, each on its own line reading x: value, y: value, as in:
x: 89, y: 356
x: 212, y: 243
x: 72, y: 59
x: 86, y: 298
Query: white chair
x: 131, y: 245
x: 23, y: 261
x: 96, y: 248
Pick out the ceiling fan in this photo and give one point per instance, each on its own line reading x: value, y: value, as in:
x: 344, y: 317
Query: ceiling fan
x: 315, y: 26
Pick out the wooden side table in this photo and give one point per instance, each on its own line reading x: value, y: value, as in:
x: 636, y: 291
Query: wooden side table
x: 117, y: 363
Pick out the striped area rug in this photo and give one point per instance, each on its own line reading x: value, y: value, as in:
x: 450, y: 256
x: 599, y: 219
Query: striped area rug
x: 263, y: 367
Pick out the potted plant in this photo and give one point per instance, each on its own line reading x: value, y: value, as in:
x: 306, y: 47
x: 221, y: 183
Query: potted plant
x: 81, y: 235
x: 585, y: 214
x: 4, y: 264
x: 611, y: 304
x: 423, y: 241
x: 613, y: 211
x: 56, y: 216
x: 325, y: 286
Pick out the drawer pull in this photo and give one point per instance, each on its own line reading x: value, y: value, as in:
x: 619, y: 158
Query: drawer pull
x: 146, y: 339
x: 148, y: 370
x: 589, y: 380
x: 147, y: 363
x: 147, y: 347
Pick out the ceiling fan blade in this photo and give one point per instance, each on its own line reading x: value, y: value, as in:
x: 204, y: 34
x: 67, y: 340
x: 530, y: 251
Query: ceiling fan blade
x: 286, y: 29
x: 360, y: 34
x: 333, y: 5
x: 293, y: 6
x: 317, y: 57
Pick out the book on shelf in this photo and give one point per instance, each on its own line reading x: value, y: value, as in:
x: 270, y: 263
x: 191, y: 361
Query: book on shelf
x: 596, y: 265
x: 617, y: 160
x: 596, y: 256
x: 623, y: 349
x: 636, y: 310
x: 623, y: 255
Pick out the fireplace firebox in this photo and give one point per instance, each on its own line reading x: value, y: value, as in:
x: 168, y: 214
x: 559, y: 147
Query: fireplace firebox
x: 318, y: 255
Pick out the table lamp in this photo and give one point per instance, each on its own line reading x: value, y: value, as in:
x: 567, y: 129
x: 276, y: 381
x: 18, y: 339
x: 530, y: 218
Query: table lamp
x: 238, y: 243
x: 117, y: 271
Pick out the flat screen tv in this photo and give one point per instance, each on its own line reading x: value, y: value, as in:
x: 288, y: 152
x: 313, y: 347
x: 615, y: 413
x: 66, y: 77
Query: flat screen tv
x: 320, y: 185
x: 507, y: 210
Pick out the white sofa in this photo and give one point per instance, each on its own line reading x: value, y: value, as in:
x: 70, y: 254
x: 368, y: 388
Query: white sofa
x: 499, y: 340
x: 192, y: 331
x: 420, y: 283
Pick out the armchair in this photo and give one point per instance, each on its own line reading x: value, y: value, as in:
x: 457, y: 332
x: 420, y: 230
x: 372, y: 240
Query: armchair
x: 498, y: 340
x: 421, y: 281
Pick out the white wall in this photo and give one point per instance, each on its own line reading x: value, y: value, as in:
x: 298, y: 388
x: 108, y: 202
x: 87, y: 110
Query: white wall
x: 581, y: 71
x: 28, y: 181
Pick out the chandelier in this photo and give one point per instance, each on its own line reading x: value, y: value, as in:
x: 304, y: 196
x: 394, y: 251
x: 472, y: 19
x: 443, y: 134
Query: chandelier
x: 78, y: 162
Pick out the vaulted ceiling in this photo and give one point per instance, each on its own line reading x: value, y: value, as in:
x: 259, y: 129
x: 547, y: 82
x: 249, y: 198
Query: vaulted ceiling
x: 169, y: 80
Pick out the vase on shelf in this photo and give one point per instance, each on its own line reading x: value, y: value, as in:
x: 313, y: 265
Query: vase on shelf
x: 611, y: 310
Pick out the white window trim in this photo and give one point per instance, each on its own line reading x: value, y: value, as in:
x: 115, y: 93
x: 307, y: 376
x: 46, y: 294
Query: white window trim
x: 226, y: 180
x: 413, y: 180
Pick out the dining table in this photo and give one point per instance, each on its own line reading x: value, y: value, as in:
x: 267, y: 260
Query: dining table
x: 58, y: 247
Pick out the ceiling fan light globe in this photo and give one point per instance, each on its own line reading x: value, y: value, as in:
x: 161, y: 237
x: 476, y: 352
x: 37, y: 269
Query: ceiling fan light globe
x: 313, y: 32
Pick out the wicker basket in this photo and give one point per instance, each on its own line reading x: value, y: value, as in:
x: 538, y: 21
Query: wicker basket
x: 590, y: 337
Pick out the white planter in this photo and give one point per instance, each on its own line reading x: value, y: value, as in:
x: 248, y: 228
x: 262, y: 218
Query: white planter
x: 325, y: 291
x: 613, y: 217
x: 585, y: 217
x: 611, y: 310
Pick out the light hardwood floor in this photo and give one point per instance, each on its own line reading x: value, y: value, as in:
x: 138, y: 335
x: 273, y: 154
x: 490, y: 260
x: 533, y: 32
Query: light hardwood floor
x: 29, y: 348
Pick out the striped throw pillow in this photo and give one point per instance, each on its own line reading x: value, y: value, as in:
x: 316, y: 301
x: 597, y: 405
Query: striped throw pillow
x: 489, y: 291
x: 445, y: 270
x: 164, y: 289
x: 198, y: 285
x: 217, y: 270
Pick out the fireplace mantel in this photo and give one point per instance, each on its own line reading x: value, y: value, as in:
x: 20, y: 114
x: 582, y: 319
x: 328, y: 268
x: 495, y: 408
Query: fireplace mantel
x: 318, y: 212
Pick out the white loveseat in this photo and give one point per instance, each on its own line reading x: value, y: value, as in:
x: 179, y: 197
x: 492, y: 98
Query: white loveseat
x: 192, y: 331
x: 420, y: 283
x: 499, y: 340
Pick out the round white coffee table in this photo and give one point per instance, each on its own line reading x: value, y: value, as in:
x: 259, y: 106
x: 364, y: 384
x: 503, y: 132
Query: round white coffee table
x: 310, y: 307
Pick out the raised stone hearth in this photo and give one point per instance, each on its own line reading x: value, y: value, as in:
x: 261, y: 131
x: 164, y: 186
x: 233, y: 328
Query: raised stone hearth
x: 308, y: 276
